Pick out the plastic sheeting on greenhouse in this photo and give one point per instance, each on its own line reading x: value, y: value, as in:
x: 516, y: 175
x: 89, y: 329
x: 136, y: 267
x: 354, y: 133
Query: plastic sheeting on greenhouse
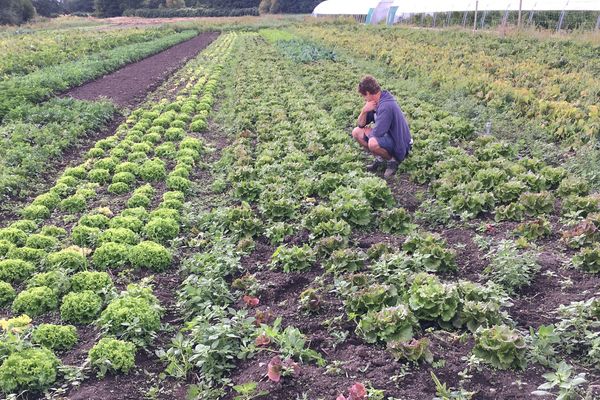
x: 345, y: 7
x: 431, y: 6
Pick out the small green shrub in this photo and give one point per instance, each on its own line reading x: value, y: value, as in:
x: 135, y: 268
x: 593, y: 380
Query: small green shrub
x: 174, y: 134
x: 68, y: 259
x: 118, y: 235
x: 111, y: 255
x: 391, y: 323
x: 153, y: 170
x: 42, y: 242
x: 55, y: 337
x: 26, y: 225
x: 431, y: 300
x: 29, y: 254
x: 130, y: 167
x: 85, y: 236
x: 501, y: 347
x: 588, y: 259
x: 14, y: 236
x: 80, y: 307
x: 199, y: 125
x: 132, y: 223
x: 396, y: 221
x: 35, y: 212
x: 73, y: 204
x: 161, y: 229
x: 293, y: 259
x: 99, y: 175
x: 35, y: 301
x: 51, y: 230
x: 137, y: 212
x: 150, y: 255
x: 15, y: 271
x: 112, y: 355
x: 124, y: 177
x: 30, y: 369
x: 118, y: 188
x: 56, y: 280
x: 7, y: 293
x: 107, y: 163
x: 138, y: 200
x: 178, y: 183
x: 49, y: 200
x: 132, y: 318
x: 98, y: 282
x: 94, y: 221
x: 5, y: 247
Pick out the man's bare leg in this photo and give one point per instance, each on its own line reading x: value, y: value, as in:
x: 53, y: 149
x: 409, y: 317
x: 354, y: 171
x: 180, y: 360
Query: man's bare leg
x: 360, y: 135
x: 374, y: 148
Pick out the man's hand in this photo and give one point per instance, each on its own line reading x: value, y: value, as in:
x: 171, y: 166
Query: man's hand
x: 369, y: 106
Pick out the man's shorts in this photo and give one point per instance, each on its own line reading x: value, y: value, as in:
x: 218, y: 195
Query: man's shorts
x: 386, y: 142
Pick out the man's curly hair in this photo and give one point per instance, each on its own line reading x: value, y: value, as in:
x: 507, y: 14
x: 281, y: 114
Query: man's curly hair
x: 368, y: 84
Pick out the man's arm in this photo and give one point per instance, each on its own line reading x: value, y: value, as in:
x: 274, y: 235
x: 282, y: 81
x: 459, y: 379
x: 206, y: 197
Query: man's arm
x: 384, y: 122
x: 362, y: 118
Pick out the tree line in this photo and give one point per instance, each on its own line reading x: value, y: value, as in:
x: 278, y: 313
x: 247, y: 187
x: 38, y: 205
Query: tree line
x: 15, y: 12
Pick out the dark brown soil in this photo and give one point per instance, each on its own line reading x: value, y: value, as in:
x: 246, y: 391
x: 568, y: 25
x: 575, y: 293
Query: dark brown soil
x: 128, y: 86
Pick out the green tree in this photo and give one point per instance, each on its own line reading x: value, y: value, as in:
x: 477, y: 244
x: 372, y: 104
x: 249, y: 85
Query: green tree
x: 15, y: 12
x: 48, y: 8
x: 264, y: 7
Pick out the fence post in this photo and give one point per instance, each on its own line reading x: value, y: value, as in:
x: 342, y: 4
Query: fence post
x: 505, y: 19
x: 598, y: 23
x: 520, y: 9
x: 483, y: 19
x: 448, y: 14
x: 475, y: 19
x: 434, y: 18
x: 465, y: 19
x: 560, y: 21
x: 531, y: 17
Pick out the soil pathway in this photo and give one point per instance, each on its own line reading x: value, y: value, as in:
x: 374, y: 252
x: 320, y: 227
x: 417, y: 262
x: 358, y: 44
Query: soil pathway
x: 128, y: 86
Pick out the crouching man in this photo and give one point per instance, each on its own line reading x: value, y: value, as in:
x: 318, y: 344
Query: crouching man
x: 389, y: 139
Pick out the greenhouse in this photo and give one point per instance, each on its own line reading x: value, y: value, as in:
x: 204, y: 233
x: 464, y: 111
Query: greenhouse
x: 553, y: 14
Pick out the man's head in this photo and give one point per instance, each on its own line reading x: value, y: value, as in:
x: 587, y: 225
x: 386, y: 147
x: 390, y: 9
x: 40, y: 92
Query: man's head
x: 369, y: 88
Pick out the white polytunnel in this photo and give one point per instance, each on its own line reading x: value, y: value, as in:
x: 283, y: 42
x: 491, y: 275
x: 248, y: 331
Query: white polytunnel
x: 391, y: 11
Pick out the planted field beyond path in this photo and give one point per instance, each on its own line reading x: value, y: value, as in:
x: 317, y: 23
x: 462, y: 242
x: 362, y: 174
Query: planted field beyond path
x: 39, y: 139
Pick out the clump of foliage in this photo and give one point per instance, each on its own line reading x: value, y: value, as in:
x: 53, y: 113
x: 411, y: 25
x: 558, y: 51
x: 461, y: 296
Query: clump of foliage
x: 112, y: 355
x: 501, y: 346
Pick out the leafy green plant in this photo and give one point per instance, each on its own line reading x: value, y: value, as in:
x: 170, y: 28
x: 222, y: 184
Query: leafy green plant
x: 370, y: 298
x: 150, y: 255
x: 7, y: 293
x: 81, y: 307
x: 134, y: 316
x: 510, y: 267
x: 30, y: 369
x: 153, y: 170
x: 35, y: 301
x: 118, y: 235
x: 70, y: 259
x: 161, y: 229
x: 569, y: 388
x: 537, y: 203
x: 395, y: 221
x: 37, y: 212
x: 98, y: 282
x: 55, y: 337
x: 543, y: 345
x: 15, y: 271
x: 534, y: 230
x: 293, y: 259
x: 391, y: 323
x: 414, y: 350
x: 501, y: 347
x: 111, y: 255
x: 431, y: 300
x: 112, y: 355
x: 345, y: 260
x: 57, y: 280
x: 42, y: 242
x: 84, y: 236
x: 588, y: 259
x: 248, y: 391
x: 14, y: 236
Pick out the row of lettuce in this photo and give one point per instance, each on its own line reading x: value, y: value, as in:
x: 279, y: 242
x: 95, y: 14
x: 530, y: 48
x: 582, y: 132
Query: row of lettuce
x: 100, y: 217
x: 36, y: 132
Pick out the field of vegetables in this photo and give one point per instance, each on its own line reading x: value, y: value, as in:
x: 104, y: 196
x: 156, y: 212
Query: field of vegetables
x: 227, y: 241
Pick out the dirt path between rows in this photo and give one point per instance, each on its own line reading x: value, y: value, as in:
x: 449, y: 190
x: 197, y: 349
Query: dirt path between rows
x: 128, y: 86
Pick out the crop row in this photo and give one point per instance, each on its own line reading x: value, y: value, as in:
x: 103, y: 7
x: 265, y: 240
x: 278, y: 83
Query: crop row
x: 120, y: 222
x: 25, y: 53
x: 38, y: 85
